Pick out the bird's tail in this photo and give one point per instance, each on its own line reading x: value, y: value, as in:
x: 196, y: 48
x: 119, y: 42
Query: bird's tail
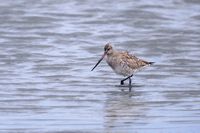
x: 151, y: 63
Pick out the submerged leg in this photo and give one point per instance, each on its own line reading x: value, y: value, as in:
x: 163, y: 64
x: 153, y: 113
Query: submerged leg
x: 130, y: 86
x: 122, y: 81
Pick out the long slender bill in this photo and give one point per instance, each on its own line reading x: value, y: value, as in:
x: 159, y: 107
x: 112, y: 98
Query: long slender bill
x: 99, y: 61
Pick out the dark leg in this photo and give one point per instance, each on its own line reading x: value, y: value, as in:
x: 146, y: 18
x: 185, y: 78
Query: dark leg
x: 130, y: 86
x: 122, y: 81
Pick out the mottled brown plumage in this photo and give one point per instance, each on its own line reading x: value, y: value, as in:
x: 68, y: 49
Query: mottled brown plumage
x: 122, y: 63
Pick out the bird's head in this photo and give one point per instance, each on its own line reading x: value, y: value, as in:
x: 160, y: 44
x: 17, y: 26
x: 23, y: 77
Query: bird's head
x: 107, y: 51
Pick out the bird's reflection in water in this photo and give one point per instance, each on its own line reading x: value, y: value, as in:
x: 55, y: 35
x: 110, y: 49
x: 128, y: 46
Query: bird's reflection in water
x: 124, y: 110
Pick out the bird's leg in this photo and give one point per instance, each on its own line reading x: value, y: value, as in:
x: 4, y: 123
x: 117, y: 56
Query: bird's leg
x: 130, y: 86
x: 122, y: 81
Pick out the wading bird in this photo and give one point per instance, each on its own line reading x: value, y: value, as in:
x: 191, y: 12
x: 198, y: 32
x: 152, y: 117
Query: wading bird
x: 122, y: 63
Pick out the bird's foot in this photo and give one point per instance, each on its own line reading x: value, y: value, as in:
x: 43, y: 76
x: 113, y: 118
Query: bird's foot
x: 122, y: 83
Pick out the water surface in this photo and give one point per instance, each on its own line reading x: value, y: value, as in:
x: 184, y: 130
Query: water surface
x: 48, y: 47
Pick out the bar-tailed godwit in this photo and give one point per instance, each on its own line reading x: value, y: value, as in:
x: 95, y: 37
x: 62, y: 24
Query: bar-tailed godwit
x: 122, y: 63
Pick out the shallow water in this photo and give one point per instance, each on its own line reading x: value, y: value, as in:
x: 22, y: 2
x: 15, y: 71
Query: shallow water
x: 48, y: 47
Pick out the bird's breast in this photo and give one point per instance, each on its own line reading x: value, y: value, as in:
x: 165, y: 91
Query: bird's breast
x: 112, y: 61
x: 117, y: 65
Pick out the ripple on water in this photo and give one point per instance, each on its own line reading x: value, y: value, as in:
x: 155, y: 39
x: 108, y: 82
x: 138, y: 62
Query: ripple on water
x: 48, y: 49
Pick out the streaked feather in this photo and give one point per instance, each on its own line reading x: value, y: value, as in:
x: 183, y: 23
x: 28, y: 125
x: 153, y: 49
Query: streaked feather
x: 124, y: 63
